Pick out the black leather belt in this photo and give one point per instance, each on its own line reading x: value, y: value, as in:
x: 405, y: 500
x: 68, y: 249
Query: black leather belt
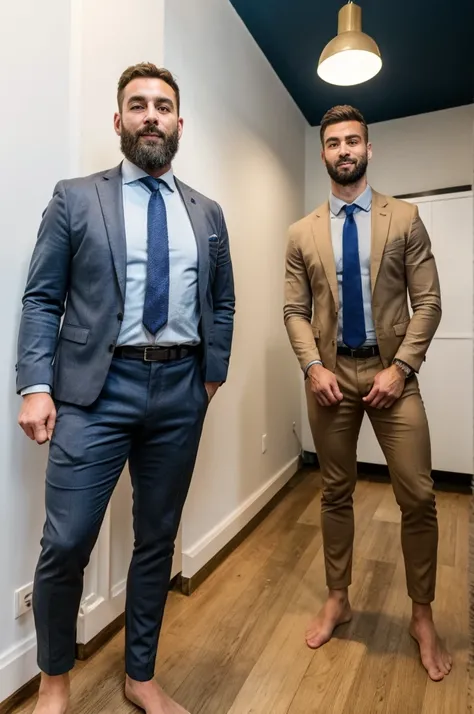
x: 155, y: 354
x: 359, y: 353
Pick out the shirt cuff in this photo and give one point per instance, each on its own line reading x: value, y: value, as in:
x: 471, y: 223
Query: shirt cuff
x: 36, y: 389
x: 310, y: 364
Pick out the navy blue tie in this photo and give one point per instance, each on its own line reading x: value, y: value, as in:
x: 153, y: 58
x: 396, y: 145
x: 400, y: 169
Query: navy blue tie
x: 155, y: 311
x: 353, y: 321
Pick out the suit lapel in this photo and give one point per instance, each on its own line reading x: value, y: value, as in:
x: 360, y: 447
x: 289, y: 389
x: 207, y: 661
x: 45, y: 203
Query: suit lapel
x: 381, y: 216
x: 109, y: 188
x: 201, y: 233
x: 323, y: 240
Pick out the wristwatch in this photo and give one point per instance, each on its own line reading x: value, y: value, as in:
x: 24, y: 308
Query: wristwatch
x: 406, y: 369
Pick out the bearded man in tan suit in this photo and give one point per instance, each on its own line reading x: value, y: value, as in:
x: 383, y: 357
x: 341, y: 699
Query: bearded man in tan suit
x: 349, y: 267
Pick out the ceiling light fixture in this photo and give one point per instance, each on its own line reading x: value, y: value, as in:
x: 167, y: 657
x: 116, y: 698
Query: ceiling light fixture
x: 352, y: 57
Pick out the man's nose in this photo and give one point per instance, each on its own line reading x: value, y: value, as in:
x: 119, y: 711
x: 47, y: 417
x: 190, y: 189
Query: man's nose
x: 152, y: 116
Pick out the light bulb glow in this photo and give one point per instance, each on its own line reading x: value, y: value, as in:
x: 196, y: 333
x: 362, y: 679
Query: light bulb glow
x: 350, y: 67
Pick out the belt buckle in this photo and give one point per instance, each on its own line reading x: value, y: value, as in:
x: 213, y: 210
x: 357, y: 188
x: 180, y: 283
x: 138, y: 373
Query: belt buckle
x: 145, y: 354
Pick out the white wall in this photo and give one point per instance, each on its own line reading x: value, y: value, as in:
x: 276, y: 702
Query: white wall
x: 411, y: 155
x: 243, y: 145
x: 61, y: 61
x: 34, y: 141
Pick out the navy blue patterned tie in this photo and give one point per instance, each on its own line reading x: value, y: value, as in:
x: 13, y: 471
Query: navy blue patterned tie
x: 353, y: 321
x: 155, y: 311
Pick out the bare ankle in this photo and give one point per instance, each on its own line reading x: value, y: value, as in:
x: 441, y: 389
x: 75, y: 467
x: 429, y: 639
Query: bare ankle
x: 137, y: 684
x: 56, y: 687
x: 56, y: 683
x: 340, y: 596
x: 421, y: 611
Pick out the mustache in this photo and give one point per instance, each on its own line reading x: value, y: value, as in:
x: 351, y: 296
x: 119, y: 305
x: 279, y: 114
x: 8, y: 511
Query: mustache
x: 345, y: 161
x: 151, y: 130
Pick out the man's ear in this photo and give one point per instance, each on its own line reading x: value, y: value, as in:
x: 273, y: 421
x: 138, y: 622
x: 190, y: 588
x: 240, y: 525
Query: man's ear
x: 118, y: 123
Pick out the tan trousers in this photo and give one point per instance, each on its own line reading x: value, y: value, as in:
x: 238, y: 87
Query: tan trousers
x: 403, y: 434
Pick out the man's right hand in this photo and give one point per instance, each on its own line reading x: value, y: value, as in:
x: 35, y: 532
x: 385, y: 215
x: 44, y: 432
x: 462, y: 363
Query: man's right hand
x: 324, y: 386
x: 38, y: 417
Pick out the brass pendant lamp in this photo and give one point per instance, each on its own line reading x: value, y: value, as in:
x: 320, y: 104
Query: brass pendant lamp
x: 352, y: 57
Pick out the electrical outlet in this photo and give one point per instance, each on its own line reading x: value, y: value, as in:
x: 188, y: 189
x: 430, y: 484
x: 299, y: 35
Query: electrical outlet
x: 23, y: 600
x: 264, y: 444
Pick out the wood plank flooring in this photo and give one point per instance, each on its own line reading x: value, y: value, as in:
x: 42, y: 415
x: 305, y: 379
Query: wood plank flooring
x: 236, y: 646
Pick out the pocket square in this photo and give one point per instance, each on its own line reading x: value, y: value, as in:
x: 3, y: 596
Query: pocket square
x: 213, y: 237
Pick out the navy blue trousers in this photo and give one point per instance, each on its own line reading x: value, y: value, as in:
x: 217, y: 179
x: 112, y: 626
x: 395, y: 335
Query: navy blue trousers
x: 151, y: 414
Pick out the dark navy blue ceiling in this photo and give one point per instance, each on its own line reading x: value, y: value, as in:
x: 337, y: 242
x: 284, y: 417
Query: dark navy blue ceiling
x: 426, y: 46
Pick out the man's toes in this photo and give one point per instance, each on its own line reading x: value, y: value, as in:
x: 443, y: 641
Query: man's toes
x: 447, y: 664
x: 434, y: 672
x: 315, y: 640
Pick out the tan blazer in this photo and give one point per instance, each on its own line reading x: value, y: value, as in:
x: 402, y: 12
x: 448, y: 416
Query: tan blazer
x: 401, y: 261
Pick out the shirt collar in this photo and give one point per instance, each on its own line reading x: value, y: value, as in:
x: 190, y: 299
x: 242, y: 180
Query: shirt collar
x: 131, y: 173
x: 364, y: 202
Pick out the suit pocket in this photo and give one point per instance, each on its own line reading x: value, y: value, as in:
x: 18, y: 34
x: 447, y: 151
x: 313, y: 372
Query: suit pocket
x: 213, y: 249
x: 74, y: 333
x: 401, y: 328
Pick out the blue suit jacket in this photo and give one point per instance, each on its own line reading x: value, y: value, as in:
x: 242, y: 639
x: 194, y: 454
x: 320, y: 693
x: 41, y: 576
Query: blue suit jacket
x: 78, y: 269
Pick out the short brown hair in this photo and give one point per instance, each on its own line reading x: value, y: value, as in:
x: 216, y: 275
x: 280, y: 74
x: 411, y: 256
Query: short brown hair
x: 146, y: 69
x: 343, y: 112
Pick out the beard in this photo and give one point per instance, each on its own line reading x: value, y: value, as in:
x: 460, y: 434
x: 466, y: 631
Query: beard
x: 346, y: 177
x: 149, y: 155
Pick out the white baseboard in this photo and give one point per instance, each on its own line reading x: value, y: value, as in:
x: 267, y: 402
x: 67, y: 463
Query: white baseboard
x: 17, y: 666
x: 201, y: 553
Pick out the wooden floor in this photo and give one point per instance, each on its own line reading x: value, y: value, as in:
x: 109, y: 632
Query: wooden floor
x: 236, y: 646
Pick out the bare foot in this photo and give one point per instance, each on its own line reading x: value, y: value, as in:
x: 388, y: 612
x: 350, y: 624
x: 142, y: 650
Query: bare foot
x: 434, y: 657
x: 337, y: 611
x: 53, y: 695
x: 150, y: 697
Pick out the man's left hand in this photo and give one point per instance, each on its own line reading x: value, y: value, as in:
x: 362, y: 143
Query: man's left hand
x: 387, y: 388
x: 211, y: 389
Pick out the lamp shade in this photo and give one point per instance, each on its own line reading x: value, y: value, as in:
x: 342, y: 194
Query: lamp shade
x: 352, y: 57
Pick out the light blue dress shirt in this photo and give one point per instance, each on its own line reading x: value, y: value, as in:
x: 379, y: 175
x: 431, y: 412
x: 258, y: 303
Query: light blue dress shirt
x: 184, y: 311
x: 363, y: 218
x: 182, y: 327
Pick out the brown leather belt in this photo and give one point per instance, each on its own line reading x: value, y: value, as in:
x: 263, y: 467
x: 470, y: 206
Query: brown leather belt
x: 155, y: 354
x: 359, y: 353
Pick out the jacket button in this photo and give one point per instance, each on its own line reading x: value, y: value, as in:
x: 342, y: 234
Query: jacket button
x: 120, y: 316
x: 111, y: 347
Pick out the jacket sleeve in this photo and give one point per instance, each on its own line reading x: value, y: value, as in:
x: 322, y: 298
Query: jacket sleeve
x: 223, y: 297
x: 425, y: 295
x: 45, y: 295
x: 297, y: 310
